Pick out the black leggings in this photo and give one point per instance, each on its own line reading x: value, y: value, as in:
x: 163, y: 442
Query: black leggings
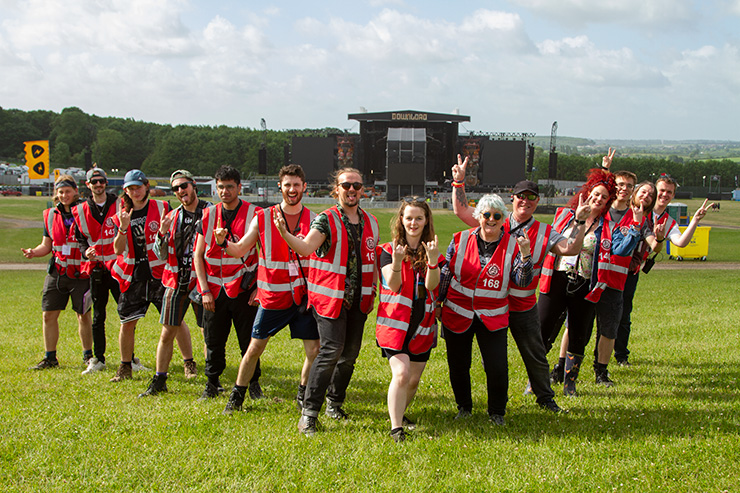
x: 581, y: 313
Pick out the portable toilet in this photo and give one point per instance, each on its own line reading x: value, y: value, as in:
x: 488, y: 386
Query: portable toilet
x: 679, y: 212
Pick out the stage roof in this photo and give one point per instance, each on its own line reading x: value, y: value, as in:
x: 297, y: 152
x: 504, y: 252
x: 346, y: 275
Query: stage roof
x: 407, y: 116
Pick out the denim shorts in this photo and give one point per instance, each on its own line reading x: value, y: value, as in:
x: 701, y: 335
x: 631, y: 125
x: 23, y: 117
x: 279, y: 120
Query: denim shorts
x: 269, y: 322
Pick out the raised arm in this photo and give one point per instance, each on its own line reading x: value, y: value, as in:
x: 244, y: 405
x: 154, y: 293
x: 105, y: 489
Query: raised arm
x: 573, y: 245
x: 459, y: 200
x: 245, y: 243
x: 124, y: 221
x: 685, y: 238
x: 303, y: 247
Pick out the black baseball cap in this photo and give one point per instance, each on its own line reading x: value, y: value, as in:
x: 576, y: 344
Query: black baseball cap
x: 526, y: 186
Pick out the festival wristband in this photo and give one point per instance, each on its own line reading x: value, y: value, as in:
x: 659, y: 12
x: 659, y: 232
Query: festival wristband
x: 432, y: 266
x: 580, y: 223
x: 123, y: 231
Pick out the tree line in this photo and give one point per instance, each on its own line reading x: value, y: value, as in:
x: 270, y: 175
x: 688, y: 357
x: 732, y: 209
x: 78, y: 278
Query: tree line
x: 124, y: 143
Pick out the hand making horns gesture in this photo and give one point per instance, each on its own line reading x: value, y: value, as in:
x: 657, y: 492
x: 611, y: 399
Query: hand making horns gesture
x: 458, y: 170
x: 523, y: 242
x: 432, y: 248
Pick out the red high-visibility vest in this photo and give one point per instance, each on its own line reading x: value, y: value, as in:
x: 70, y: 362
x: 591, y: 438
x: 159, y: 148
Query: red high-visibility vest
x: 101, y: 236
x: 123, y: 268
x: 223, y: 270
x: 394, y: 313
x: 171, y: 273
x: 280, y: 284
x: 328, y: 273
x: 523, y: 299
x: 64, y: 246
x: 478, y: 291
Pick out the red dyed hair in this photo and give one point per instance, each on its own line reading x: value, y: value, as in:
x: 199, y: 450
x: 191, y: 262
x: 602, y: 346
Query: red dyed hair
x: 595, y: 178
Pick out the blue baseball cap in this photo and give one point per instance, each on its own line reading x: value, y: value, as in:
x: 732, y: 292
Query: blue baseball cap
x: 134, y: 177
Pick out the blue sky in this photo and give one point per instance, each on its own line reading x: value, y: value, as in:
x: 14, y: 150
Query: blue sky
x: 608, y: 69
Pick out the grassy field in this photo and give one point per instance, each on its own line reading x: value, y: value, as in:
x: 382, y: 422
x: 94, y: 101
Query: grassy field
x: 670, y: 424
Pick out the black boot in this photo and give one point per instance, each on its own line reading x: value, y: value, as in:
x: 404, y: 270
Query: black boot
x: 558, y: 371
x: 602, y: 375
x: 236, y: 399
x: 157, y: 385
x: 572, y: 367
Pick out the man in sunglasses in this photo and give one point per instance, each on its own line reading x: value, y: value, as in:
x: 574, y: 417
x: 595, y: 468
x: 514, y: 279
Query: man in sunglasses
x: 94, y: 218
x: 227, y: 284
x: 524, y: 321
x: 341, y: 292
x: 175, y: 244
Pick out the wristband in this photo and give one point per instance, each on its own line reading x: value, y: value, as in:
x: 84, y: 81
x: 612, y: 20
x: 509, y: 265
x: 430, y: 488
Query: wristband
x: 123, y: 231
x: 432, y: 266
x: 224, y: 244
x: 527, y: 257
x: 580, y: 222
x: 394, y: 270
x: 660, y: 241
x: 458, y: 184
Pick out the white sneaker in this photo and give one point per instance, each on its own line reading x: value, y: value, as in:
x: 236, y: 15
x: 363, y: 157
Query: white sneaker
x: 93, y: 365
x: 137, y: 366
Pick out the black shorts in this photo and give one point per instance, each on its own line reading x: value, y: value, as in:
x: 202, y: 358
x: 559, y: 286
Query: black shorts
x: 59, y: 289
x: 134, y: 303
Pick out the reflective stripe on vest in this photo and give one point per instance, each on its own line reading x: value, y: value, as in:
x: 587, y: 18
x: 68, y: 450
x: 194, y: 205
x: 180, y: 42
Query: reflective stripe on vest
x: 64, y: 245
x: 394, y: 313
x: 563, y: 217
x: 221, y: 269
x: 523, y: 299
x: 478, y: 291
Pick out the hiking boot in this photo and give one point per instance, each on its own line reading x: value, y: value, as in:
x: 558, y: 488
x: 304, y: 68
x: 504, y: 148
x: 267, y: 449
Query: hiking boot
x: 572, y: 369
x: 191, y: 369
x: 410, y: 425
x: 308, y: 425
x: 398, y: 435
x: 496, y: 419
x: 602, y: 377
x: 551, y: 405
x: 123, y: 373
x: 236, y: 399
x: 157, y: 385
x: 463, y: 414
x: 255, y: 391
x: 557, y: 374
x: 94, y: 365
x: 45, y: 364
x: 336, y: 412
x: 210, y: 392
x: 137, y: 366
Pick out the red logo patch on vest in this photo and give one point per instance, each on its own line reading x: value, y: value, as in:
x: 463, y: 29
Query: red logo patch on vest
x: 109, y: 222
x: 494, y: 270
x: 624, y: 230
x: 370, y: 243
x: 153, y: 226
x: 606, y: 244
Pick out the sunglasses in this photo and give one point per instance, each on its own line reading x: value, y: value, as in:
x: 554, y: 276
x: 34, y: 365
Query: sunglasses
x: 182, y: 186
x: 496, y: 215
x: 356, y: 185
x: 97, y: 181
x: 528, y: 196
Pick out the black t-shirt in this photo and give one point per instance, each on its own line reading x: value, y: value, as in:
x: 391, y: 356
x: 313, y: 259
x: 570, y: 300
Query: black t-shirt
x: 184, y: 247
x: 99, y: 212
x: 142, y: 271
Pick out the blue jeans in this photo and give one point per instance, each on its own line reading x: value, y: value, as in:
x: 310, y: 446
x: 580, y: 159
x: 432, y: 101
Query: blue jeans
x: 340, y: 339
x: 621, y: 353
x: 525, y: 329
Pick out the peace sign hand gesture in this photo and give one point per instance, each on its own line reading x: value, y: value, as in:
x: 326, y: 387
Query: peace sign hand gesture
x: 701, y: 211
x: 583, y: 210
x: 606, y: 161
x: 458, y: 170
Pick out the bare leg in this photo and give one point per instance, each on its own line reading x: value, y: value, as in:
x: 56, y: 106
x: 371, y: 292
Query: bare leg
x: 84, y: 325
x: 606, y: 346
x: 249, y: 361
x: 50, y: 328
x: 311, y: 347
x: 126, y: 340
x: 398, y: 389
x: 184, y: 342
x: 164, y: 347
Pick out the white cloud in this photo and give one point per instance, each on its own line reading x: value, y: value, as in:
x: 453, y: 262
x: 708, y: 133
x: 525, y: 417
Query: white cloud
x: 664, y: 13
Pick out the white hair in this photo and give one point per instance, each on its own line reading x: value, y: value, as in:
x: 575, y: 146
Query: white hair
x: 489, y: 202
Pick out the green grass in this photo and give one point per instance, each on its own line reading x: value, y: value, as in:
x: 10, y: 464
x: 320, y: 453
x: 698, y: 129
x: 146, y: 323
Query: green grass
x: 670, y: 424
